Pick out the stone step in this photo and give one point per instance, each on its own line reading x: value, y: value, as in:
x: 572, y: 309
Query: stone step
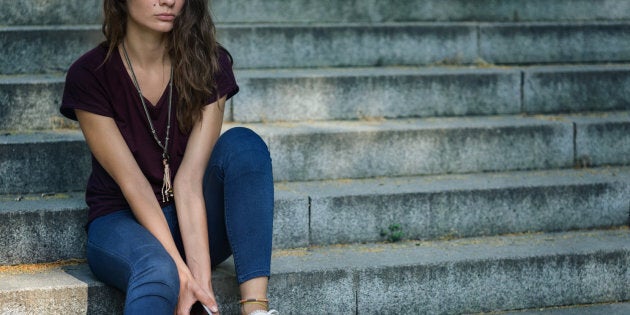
x: 42, y: 228
x: 592, y: 309
x: 418, y: 10
x: 303, y: 11
x: 599, y: 143
x: 386, y: 92
x: 339, y: 149
x: 42, y: 49
x: 47, y: 49
x: 51, y: 12
x: 361, y: 44
x: 39, y: 229
x: 45, y: 162
x: 59, y: 161
x: 343, y: 149
x: 31, y: 102
x: 446, y: 277
x: 529, y: 43
x: 51, y: 227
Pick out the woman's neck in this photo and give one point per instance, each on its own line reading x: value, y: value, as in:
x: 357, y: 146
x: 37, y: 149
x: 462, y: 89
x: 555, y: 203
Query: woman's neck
x: 146, y: 49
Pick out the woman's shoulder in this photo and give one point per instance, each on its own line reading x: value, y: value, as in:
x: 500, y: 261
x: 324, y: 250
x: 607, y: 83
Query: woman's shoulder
x: 225, y: 80
x: 85, y: 87
x: 91, y: 60
x: 225, y: 58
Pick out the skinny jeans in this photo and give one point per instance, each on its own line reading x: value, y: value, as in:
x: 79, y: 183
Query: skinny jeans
x: 238, y: 192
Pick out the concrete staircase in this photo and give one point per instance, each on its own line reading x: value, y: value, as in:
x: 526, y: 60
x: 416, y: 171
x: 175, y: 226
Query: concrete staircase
x: 493, y: 136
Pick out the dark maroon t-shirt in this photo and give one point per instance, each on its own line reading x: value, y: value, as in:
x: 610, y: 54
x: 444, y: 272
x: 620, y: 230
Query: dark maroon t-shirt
x: 106, y: 89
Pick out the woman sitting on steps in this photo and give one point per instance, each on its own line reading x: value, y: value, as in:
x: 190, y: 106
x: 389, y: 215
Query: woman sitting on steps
x: 169, y: 198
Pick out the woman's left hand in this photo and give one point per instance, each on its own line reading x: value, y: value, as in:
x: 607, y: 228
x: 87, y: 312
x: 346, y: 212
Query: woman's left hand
x: 190, y: 292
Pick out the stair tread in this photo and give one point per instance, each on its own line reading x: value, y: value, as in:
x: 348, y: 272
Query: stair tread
x: 303, y: 150
x: 593, y: 309
x: 358, y: 257
x: 344, y: 24
x: 57, y: 11
x: 350, y: 210
x: 354, y: 126
x: 368, y: 186
x: 41, y: 49
x: 514, y: 258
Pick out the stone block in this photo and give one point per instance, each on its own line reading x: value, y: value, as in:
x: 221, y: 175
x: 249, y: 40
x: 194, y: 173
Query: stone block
x: 603, y: 140
x: 323, y: 291
x: 43, y: 230
x: 348, y: 45
x: 527, y: 43
x: 291, y: 220
x: 43, y: 162
x: 70, y: 289
x: 31, y: 103
x: 502, y: 274
x: 51, y: 12
x: 341, y: 94
x: 44, y: 49
x: 593, y: 309
x: 333, y: 150
x: 501, y: 284
x: 576, y: 88
x: 455, y: 206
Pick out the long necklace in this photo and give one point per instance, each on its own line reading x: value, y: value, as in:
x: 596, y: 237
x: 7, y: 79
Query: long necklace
x: 167, y: 188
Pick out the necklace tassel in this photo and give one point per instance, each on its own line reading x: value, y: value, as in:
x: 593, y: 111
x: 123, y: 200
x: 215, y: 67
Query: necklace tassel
x: 167, y: 188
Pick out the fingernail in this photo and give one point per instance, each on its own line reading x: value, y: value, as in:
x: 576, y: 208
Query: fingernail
x: 212, y: 309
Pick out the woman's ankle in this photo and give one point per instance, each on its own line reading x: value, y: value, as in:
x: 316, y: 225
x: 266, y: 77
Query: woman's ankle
x: 254, y: 304
x: 254, y: 295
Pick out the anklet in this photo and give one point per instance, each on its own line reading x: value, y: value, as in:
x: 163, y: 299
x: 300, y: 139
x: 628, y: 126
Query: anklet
x: 262, y: 302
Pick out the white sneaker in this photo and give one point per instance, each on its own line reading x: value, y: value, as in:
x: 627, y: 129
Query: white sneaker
x: 261, y: 312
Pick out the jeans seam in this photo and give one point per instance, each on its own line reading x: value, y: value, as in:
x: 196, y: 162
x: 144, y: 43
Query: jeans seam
x: 229, y: 235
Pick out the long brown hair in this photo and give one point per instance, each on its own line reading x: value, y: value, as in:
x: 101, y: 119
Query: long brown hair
x: 192, y: 48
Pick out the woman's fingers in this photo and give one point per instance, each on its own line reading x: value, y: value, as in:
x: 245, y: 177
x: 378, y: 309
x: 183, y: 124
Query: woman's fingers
x: 186, y: 295
x: 208, y: 301
x: 190, y: 292
x: 184, y: 304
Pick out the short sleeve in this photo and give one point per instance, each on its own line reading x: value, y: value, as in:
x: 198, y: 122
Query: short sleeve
x: 84, y: 89
x: 226, y: 82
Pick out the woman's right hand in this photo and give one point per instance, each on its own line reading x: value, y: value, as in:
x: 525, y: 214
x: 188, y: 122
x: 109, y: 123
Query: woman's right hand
x: 190, y: 291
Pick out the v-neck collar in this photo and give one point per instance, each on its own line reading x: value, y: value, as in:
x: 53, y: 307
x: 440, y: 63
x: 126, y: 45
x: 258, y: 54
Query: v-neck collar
x: 150, y: 105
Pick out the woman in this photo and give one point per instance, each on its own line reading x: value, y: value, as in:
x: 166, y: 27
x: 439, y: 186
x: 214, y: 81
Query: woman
x: 150, y: 103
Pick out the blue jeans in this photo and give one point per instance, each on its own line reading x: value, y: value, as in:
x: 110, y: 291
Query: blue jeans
x: 238, y: 191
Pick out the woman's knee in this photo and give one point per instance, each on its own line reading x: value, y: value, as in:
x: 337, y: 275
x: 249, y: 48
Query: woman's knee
x: 243, y: 150
x: 240, y: 139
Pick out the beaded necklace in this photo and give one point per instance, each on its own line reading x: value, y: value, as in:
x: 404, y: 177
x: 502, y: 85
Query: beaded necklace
x: 167, y: 187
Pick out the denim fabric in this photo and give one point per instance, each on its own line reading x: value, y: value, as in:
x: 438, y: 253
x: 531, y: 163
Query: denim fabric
x: 238, y: 191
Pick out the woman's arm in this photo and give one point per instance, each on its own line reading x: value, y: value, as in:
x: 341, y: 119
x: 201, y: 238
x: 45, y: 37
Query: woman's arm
x: 111, y: 151
x: 187, y: 186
